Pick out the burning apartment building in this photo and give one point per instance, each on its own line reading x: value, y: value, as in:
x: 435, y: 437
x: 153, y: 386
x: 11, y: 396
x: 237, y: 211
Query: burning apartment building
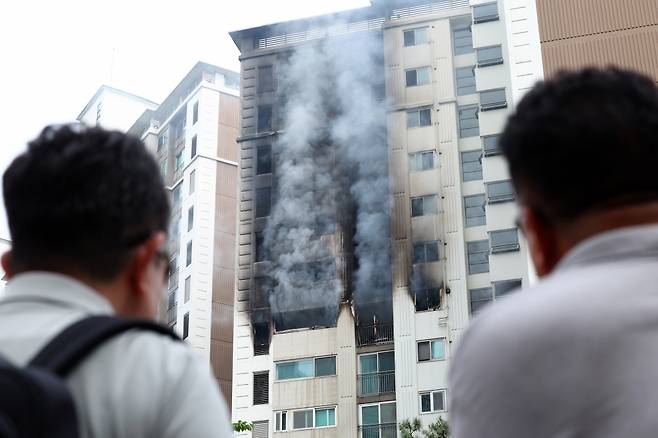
x: 376, y: 215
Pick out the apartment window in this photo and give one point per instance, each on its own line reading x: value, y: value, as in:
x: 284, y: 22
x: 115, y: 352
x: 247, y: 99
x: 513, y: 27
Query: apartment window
x: 263, y: 159
x: 465, y: 81
x: 174, y: 263
x: 500, y: 191
x: 163, y: 167
x: 474, y: 210
x: 261, y: 388
x: 306, y: 368
x: 163, y: 139
x: 176, y: 195
x: 504, y: 287
x: 472, y: 165
x: 188, y: 288
x: 261, y: 429
x: 421, y: 161
x: 419, y: 117
x: 192, y: 181
x: 259, y: 246
x: 193, y: 148
x: 462, y: 40
x: 171, y: 300
x: 414, y: 37
x: 469, y: 124
x: 426, y: 252
x: 302, y: 419
x: 188, y: 259
x: 481, y: 297
x: 195, y: 112
x: 493, y: 99
x: 190, y: 219
x: 487, y: 56
x: 264, y: 118
x: 433, y: 401
x: 427, y: 299
x: 484, y: 13
x: 504, y: 241
x: 418, y: 76
x: 280, y: 421
x: 378, y: 420
x: 325, y: 417
x: 265, y: 79
x: 490, y: 145
x: 434, y: 349
x: 478, y: 256
x: 186, y: 325
x: 263, y: 201
x: 424, y: 206
x: 179, y: 161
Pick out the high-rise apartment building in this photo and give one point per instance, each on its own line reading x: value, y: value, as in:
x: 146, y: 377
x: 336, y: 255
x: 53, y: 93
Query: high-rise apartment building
x: 376, y: 214
x: 192, y: 134
x: 582, y: 33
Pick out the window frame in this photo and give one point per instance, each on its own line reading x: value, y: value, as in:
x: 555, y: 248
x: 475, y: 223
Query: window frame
x: 460, y: 119
x: 415, y: 30
x: 507, y: 247
x: 490, y: 106
x: 379, y: 412
x: 486, y: 252
x: 431, y: 395
x: 487, y: 150
x: 427, y: 290
x: 416, y: 158
x: 195, y: 113
x: 260, y: 77
x: 478, y: 173
x: 261, y: 128
x: 468, y: 87
x: 425, y: 245
x: 416, y: 71
x: 417, y: 112
x: 314, y: 376
x: 430, y: 342
x: 290, y: 416
x: 193, y: 146
x: 186, y: 325
x: 455, y: 48
x: 487, y: 17
x: 258, y: 190
x: 426, y: 204
x: 499, y: 199
x: 261, y: 151
x: 488, y: 62
x: 188, y: 254
x: 467, y: 207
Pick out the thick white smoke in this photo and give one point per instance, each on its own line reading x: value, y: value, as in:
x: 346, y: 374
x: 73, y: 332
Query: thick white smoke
x: 331, y: 161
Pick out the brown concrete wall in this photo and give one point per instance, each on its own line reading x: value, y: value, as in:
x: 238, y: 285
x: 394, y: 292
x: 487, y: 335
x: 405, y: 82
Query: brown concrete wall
x: 580, y: 33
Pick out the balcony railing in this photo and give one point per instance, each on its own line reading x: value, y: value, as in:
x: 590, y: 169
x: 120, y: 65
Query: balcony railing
x: 373, y: 334
x: 388, y: 430
x: 376, y: 383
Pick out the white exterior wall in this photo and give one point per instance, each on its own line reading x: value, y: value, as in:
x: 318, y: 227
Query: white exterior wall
x: 117, y: 111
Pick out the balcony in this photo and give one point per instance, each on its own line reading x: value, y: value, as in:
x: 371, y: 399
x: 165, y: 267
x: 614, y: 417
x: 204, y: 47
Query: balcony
x: 376, y: 383
x: 374, y: 334
x: 388, y: 430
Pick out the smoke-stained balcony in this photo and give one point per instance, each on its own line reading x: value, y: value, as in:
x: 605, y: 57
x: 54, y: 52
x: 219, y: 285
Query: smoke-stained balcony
x: 374, y: 333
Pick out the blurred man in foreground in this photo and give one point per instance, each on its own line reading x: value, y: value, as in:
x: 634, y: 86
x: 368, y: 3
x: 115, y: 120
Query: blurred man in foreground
x: 88, y: 216
x: 576, y: 355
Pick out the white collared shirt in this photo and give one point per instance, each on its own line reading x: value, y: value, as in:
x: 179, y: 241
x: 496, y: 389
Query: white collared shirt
x: 139, y: 384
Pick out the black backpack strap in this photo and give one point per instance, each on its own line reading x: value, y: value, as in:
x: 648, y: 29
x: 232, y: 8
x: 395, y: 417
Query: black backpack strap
x: 62, y: 354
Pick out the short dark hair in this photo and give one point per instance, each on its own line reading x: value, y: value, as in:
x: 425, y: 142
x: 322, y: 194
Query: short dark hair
x: 82, y: 199
x: 585, y: 141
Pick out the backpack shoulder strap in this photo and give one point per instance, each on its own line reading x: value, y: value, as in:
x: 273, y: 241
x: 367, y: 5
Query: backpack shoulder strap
x: 63, y: 353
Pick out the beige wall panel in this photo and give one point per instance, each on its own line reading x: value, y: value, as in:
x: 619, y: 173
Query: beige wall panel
x: 304, y: 343
x: 304, y: 393
x: 423, y: 183
x: 398, y: 167
x: 452, y: 210
x: 421, y: 139
x: 396, y: 127
x: 426, y: 228
x: 400, y: 263
x: 400, y: 217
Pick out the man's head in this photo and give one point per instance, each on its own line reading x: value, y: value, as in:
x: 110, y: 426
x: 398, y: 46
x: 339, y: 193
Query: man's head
x: 91, y: 204
x: 583, y: 154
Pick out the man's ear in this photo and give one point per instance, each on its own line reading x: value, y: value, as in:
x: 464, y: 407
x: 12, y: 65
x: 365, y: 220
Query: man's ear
x: 143, y: 263
x: 542, y: 241
x: 6, y: 261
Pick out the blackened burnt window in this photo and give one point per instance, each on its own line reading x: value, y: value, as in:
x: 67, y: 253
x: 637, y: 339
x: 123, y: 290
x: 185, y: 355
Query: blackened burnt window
x: 263, y: 159
x: 265, y: 79
x: 263, y: 201
x: 264, y: 118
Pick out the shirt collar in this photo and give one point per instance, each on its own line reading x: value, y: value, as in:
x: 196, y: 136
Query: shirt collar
x: 58, y: 289
x: 620, y: 244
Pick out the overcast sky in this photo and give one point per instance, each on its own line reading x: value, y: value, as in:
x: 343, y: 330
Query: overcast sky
x: 55, y: 54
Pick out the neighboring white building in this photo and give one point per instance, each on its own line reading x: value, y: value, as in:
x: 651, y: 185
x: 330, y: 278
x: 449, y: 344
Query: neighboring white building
x: 193, y: 136
x: 454, y: 69
x: 112, y: 108
x: 5, y: 245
